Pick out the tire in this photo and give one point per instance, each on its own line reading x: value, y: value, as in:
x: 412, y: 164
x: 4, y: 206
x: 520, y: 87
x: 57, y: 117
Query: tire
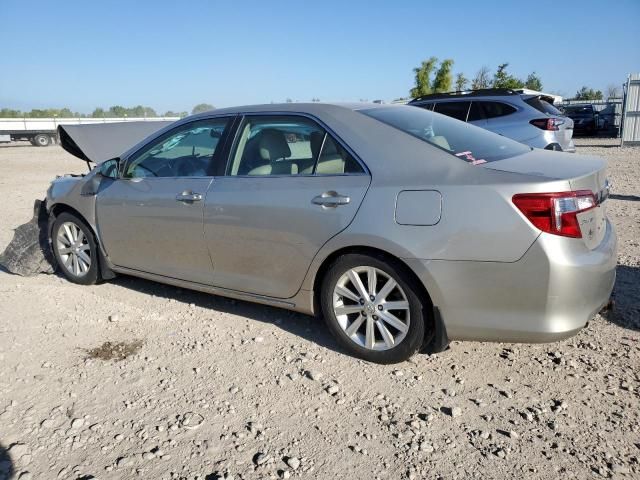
x: 358, y: 324
x: 41, y: 140
x: 67, y: 233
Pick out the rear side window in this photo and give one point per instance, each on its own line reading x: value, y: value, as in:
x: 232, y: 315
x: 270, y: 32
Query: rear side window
x: 457, y: 110
x: 496, y: 109
x: 475, y: 112
x: 542, y: 106
x: 463, y: 141
x: 287, y: 145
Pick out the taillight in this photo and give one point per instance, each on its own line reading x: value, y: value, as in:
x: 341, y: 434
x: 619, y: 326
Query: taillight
x: 556, y: 213
x: 547, y: 123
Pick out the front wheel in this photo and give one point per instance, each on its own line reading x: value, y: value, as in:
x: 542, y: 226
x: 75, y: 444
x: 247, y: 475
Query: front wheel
x: 75, y: 250
x: 373, y: 308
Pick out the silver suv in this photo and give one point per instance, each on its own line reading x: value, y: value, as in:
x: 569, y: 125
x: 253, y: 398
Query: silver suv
x: 529, y: 119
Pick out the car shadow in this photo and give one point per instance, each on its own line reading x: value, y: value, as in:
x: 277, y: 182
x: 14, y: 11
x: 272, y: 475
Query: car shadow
x: 308, y: 327
x: 630, y: 198
x: 6, y: 465
x: 626, y: 309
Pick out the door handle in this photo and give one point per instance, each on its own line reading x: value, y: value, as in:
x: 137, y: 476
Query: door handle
x: 189, y: 197
x: 330, y: 199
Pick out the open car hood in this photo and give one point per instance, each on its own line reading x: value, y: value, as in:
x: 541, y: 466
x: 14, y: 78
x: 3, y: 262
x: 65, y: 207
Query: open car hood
x: 99, y: 142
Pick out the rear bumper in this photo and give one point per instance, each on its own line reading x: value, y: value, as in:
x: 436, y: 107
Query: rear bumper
x: 547, y: 295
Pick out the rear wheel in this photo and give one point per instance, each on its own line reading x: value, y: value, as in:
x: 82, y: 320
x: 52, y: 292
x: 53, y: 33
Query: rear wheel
x: 41, y: 140
x: 75, y: 249
x: 373, y: 308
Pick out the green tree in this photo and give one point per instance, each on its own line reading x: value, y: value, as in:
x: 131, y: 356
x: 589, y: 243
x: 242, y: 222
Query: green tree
x: 586, y: 93
x: 442, y: 81
x: 202, y: 107
x: 502, y: 79
x: 98, y: 113
x: 461, y: 82
x: 10, y: 113
x: 533, y: 82
x: 117, y: 111
x: 481, y: 80
x: 423, y: 78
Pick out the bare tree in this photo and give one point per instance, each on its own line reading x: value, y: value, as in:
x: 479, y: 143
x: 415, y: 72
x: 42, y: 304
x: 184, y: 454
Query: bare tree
x: 482, y: 79
x: 613, y: 91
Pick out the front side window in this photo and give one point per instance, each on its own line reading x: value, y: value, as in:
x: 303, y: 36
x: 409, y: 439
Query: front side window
x: 426, y: 106
x: 287, y: 145
x: 457, y: 110
x: 462, y: 140
x: 188, y: 151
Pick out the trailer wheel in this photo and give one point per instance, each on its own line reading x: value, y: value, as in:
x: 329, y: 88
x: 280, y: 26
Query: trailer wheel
x: 41, y: 140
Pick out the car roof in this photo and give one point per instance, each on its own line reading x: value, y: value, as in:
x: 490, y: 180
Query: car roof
x: 312, y: 108
x: 483, y: 92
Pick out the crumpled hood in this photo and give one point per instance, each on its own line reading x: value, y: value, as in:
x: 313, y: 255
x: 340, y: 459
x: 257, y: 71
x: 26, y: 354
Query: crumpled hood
x: 99, y: 142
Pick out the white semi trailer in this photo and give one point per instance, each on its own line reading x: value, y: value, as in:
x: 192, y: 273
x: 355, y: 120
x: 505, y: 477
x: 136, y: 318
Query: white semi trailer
x: 42, y: 132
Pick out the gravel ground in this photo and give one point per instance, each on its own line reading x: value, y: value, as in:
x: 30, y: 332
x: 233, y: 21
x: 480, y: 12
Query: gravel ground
x: 132, y: 379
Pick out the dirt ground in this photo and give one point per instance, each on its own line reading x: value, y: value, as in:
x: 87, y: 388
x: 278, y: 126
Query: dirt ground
x: 133, y: 379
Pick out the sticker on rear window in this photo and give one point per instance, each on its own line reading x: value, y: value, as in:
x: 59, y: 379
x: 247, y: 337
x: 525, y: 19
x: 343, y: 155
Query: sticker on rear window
x: 468, y: 156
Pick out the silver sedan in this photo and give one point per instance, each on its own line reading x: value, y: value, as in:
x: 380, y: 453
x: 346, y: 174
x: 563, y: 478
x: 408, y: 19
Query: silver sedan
x: 403, y: 228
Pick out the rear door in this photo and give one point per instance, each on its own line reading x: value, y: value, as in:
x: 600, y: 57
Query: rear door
x: 289, y: 187
x: 502, y: 118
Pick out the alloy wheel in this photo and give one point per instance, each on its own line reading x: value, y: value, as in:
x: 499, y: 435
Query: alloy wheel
x: 74, y: 249
x: 371, y: 308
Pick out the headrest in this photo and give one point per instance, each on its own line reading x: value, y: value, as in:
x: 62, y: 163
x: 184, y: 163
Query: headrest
x: 273, y: 145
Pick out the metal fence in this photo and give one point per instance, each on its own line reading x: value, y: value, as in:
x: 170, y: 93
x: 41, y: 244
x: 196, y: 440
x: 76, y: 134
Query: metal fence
x: 631, y: 111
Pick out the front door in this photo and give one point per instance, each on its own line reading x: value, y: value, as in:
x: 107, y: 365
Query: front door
x: 150, y: 219
x: 289, y: 187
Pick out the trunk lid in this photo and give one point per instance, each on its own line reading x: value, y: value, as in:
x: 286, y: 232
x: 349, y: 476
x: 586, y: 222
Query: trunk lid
x: 582, y: 173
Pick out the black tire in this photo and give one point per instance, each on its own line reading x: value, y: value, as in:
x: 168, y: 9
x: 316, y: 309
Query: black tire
x: 41, y: 140
x: 89, y: 276
x: 415, y: 334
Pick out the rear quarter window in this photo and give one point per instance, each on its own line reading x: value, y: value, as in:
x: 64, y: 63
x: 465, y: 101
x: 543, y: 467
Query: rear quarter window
x: 463, y: 141
x: 542, y: 106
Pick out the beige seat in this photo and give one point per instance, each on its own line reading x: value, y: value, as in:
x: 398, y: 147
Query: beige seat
x: 330, y: 161
x: 440, y: 141
x: 272, y: 150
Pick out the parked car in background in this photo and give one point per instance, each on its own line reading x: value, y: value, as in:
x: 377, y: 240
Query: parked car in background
x: 401, y: 227
x: 585, y: 118
x: 529, y: 119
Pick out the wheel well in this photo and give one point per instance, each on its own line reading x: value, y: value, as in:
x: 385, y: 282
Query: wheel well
x: 374, y: 252
x: 59, y: 208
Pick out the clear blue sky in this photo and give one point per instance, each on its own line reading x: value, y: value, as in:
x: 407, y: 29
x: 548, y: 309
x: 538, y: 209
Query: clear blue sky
x: 175, y: 54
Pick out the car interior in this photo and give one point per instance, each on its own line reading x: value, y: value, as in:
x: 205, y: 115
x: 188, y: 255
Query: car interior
x: 288, y: 149
x: 184, y: 154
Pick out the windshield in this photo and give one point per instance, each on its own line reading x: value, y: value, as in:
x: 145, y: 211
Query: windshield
x: 467, y: 142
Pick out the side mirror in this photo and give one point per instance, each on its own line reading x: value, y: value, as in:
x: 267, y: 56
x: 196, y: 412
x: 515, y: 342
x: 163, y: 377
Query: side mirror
x: 109, y: 168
